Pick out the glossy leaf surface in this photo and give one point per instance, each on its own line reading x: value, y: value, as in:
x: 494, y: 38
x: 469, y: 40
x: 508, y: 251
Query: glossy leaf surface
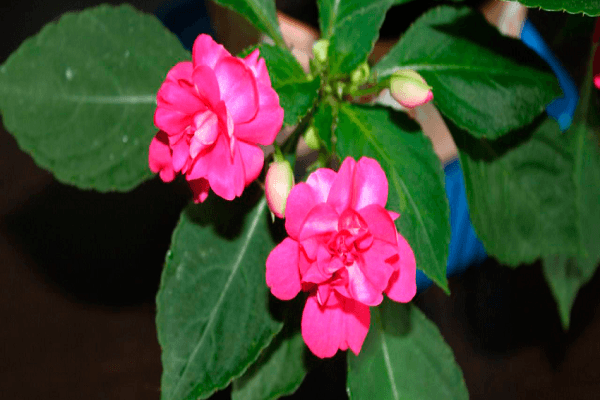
x: 404, y: 357
x: 80, y: 95
x: 213, y: 315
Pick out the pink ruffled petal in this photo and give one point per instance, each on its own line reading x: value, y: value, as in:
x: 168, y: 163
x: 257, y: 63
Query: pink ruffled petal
x: 361, y: 289
x: 182, y: 98
x: 159, y: 157
x: 377, y: 264
x: 370, y: 185
x: 299, y: 203
x: 200, y: 188
x: 338, y: 324
x: 263, y: 128
x: 238, y: 89
x: 170, y: 121
x: 207, y: 52
x: 380, y: 223
x: 181, y: 153
x: 283, y: 275
x: 258, y: 67
x: 226, y: 176
x: 393, y: 215
x: 206, y: 127
x: 182, y: 71
x: 340, y: 193
x: 206, y: 85
x: 321, y: 219
x: 320, y: 181
x: 403, y: 283
x: 253, y: 160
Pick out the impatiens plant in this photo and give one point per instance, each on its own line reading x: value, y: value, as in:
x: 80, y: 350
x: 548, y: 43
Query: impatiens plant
x: 107, y: 98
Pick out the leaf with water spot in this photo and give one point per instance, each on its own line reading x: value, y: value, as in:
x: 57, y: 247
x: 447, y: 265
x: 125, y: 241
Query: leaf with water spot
x: 80, y: 95
x: 404, y: 357
x: 213, y: 315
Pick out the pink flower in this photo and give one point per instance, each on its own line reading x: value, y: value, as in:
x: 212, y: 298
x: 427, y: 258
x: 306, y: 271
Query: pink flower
x: 343, y: 248
x: 212, y: 113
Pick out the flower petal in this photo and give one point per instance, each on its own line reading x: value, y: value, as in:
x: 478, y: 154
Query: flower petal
x: 299, y: 203
x: 340, y: 193
x: 159, y: 157
x: 206, y: 85
x: 265, y: 126
x: 253, y: 160
x: 320, y: 181
x: 182, y: 71
x: 403, y: 283
x: 207, y: 52
x: 361, y: 289
x: 238, y: 89
x: 200, y: 188
x: 181, y: 153
x: 170, y: 121
x: 376, y: 264
x: 283, y: 274
x: 339, y: 324
x: 370, y: 185
x: 258, y: 67
x: 380, y: 223
x: 321, y: 219
x: 225, y: 176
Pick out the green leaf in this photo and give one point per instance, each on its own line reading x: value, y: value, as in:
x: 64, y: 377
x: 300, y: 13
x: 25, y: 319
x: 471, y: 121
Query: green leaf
x: 80, y: 95
x: 352, y: 27
x: 280, y: 369
x: 260, y: 13
x: 213, y: 315
x: 520, y: 192
x: 588, y: 7
x: 416, y: 179
x: 297, y: 95
x: 404, y: 357
x: 484, y: 82
x: 564, y: 274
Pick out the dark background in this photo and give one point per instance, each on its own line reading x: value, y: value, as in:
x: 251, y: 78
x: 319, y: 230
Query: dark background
x: 79, y: 271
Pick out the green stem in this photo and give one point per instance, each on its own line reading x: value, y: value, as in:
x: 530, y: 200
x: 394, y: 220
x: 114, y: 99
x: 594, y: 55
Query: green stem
x: 290, y: 144
x: 375, y: 89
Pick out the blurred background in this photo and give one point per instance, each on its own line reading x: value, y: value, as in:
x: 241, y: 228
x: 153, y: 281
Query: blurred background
x: 79, y: 270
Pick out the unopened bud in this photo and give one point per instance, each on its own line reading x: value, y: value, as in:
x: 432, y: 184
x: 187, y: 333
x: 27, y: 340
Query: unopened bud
x: 409, y: 89
x: 320, y: 49
x: 278, y: 184
x: 360, y: 74
x: 312, y: 138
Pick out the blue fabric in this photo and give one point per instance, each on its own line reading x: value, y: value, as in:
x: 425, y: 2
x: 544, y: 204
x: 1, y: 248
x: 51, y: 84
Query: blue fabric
x: 563, y: 108
x: 465, y: 248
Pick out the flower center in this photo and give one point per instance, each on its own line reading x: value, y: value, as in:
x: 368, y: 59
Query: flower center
x: 352, y: 238
x: 206, y: 131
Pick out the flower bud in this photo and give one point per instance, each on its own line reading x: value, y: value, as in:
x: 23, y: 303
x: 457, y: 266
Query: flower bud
x: 410, y: 89
x: 360, y: 74
x: 320, y: 49
x: 278, y: 184
x: 312, y: 138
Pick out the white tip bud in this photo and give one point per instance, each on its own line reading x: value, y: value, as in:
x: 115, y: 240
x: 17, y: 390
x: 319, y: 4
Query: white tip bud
x: 278, y: 184
x: 409, y: 89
